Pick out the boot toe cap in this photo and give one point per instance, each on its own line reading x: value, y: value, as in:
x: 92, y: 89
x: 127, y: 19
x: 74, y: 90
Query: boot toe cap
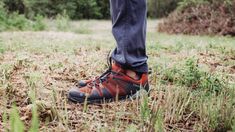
x: 75, y: 95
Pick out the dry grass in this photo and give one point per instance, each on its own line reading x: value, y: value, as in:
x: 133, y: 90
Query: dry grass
x: 38, y: 68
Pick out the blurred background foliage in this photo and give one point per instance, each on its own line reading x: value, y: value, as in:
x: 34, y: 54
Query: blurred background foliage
x: 80, y: 9
x: 76, y: 9
x: 197, y: 17
x: 29, y: 14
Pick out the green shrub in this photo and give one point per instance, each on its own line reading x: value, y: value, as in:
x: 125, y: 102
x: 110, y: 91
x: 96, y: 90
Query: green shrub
x: 104, y: 8
x: 88, y: 9
x: 39, y: 24
x: 48, y: 8
x: 15, y: 21
x: 191, y: 76
x: 62, y: 22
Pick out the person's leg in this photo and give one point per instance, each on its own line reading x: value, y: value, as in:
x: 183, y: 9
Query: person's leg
x: 129, y: 30
x: 128, y: 72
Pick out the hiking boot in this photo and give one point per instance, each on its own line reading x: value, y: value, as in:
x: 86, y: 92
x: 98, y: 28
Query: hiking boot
x: 112, y: 85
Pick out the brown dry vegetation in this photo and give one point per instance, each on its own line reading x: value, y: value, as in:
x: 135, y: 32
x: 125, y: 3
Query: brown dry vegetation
x: 46, y: 64
x: 208, y: 18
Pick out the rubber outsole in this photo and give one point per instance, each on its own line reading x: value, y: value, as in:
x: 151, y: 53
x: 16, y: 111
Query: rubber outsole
x: 103, y: 101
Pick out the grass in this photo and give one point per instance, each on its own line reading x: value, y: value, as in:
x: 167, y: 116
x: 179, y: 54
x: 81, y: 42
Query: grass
x: 192, y: 81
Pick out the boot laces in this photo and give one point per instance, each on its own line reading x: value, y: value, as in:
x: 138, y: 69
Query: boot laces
x: 104, y: 77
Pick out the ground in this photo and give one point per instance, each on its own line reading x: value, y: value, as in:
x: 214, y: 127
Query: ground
x: 192, y: 81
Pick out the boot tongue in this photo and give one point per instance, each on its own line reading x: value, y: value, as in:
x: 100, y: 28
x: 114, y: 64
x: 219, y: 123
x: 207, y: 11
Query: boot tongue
x: 117, y: 67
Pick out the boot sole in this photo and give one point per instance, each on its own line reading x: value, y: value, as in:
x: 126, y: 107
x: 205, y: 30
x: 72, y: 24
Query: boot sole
x: 135, y: 96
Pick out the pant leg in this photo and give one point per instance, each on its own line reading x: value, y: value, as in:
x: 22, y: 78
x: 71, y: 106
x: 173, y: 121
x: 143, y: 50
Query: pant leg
x: 129, y: 30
